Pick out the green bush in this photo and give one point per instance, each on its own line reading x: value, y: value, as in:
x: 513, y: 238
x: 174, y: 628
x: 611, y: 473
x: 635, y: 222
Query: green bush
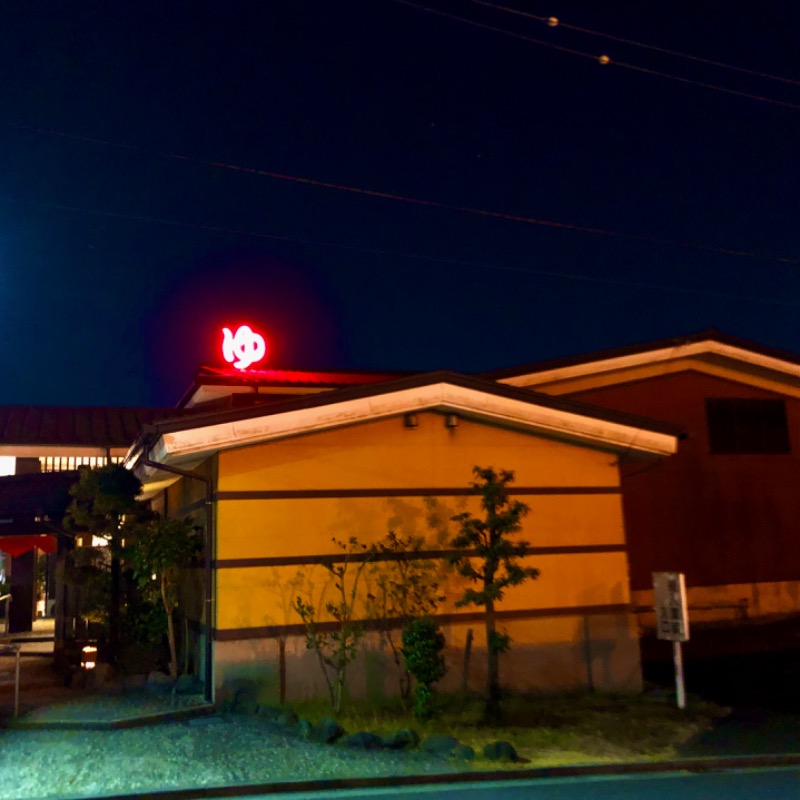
x: 423, y: 643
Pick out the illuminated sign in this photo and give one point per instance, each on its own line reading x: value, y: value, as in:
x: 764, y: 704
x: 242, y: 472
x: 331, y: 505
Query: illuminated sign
x: 243, y: 348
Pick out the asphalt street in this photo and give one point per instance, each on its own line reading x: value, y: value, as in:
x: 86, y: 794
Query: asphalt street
x: 776, y: 783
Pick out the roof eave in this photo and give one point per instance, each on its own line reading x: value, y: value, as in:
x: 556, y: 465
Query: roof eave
x: 193, y: 444
x: 719, y: 347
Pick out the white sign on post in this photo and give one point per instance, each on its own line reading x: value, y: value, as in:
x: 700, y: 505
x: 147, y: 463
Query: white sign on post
x: 672, y: 617
x: 672, y: 621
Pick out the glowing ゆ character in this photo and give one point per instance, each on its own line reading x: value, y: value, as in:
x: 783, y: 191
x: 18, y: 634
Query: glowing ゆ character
x: 243, y: 348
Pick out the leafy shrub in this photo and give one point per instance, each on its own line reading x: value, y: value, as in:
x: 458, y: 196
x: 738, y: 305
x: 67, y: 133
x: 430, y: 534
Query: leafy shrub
x: 423, y: 642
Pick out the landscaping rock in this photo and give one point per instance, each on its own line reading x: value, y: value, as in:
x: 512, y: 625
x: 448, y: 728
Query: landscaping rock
x: 463, y: 752
x: 500, y: 751
x: 156, y: 681
x: 439, y: 744
x: 244, y: 702
x: 402, y: 739
x: 287, y: 718
x: 327, y: 730
x: 303, y: 729
x: 363, y: 739
x: 188, y: 684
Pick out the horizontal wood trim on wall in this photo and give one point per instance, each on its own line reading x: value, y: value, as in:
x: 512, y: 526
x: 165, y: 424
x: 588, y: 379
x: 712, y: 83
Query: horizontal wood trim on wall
x: 467, y: 618
x: 315, y: 494
x: 423, y: 555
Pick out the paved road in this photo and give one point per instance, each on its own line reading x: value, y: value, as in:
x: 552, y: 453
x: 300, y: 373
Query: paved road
x: 747, y: 784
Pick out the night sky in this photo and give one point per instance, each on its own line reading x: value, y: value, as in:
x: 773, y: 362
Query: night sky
x: 120, y: 262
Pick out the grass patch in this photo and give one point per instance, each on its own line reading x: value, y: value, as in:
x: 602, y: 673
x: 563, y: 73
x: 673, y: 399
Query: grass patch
x: 547, y: 729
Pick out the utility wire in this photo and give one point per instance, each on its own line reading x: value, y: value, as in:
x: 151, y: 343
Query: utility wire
x: 481, y: 212
x: 554, y: 22
x: 219, y: 229
x: 601, y: 58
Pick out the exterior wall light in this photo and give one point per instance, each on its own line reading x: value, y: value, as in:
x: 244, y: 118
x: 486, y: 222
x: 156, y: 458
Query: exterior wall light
x: 410, y: 421
x: 451, y: 420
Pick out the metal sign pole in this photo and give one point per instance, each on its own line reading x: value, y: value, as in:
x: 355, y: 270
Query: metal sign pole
x: 680, y: 691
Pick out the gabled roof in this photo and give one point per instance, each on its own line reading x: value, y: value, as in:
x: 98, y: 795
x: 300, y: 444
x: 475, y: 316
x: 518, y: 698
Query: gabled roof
x: 711, y: 345
x: 181, y: 441
x: 213, y: 383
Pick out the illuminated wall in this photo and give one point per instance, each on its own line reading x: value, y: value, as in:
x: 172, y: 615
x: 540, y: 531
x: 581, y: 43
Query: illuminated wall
x: 279, y: 505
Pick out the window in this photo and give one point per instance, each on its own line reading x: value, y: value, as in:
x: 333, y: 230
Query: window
x: 61, y: 463
x: 741, y: 426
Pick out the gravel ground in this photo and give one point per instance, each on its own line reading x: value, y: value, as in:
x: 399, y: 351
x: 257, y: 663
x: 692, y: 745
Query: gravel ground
x: 209, y: 750
x: 218, y: 750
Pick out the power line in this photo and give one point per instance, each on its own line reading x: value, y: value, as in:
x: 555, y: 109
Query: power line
x: 601, y: 58
x: 481, y: 212
x: 218, y: 229
x: 557, y: 22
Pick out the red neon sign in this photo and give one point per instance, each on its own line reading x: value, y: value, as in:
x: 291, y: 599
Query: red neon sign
x: 243, y: 348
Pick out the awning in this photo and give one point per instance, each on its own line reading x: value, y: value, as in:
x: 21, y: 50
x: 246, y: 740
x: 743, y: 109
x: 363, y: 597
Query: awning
x: 17, y: 545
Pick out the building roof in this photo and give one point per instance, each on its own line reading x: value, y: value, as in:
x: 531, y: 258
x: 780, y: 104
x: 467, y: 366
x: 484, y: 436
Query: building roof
x: 62, y: 426
x: 710, y: 344
x: 199, y: 419
x: 613, y: 356
x: 213, y: 383
x: 188, y: 440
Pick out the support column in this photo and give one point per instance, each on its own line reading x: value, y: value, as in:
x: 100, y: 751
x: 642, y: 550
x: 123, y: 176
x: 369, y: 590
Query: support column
x: 23, y: 600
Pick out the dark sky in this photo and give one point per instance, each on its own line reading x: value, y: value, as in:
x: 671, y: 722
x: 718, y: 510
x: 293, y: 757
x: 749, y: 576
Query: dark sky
x: 120, y: 263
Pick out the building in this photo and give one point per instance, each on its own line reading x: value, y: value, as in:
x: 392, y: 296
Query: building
x: 275, y: 464
x: 726, y: 509
x: 41, y: 449
x: 275, y: 482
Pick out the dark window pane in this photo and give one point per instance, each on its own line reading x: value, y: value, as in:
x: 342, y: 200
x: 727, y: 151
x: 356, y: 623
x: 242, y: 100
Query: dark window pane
x: 741, y: 426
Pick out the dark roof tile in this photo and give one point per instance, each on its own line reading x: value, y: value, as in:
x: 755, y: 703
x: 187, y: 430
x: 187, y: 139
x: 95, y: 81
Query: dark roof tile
x: 94, y: 427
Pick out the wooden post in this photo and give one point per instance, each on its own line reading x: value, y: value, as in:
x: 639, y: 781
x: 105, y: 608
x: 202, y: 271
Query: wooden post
x: 16, y: 683
x: 587, y: 652
x: 680, y: 691
x: 467, y: 653
x: 282, y: 668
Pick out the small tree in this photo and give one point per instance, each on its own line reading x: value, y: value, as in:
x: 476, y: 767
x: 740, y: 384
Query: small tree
x: 337, y: 646
x: 494, y: 565
x: 406, y: 588
x: 104, y: 505
x: 423, y: 642
x: 159, y: 551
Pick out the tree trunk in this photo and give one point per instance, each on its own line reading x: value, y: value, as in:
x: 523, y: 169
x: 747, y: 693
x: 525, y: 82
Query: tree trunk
x: 339, y: 693
x: 492, y: 709
x: 114, y: 606
x: 186, y: 645
x: 173, y: 653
